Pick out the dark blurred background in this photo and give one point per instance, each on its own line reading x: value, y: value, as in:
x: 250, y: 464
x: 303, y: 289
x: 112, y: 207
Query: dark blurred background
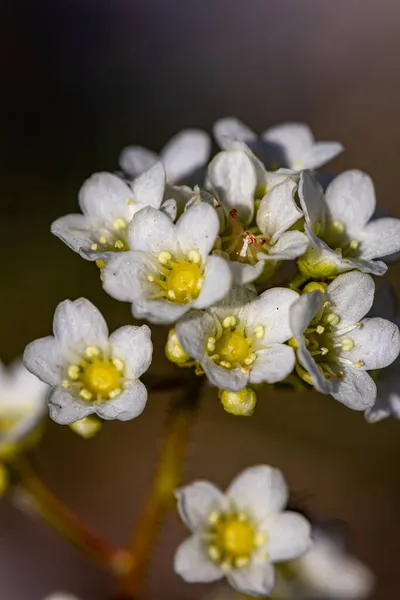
x: 81, y: 80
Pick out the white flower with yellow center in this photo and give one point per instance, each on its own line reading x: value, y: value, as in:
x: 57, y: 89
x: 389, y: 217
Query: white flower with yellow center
x: 242, y: 342
x: 170, y: 270
x: 339, y: 229
x: 241, y: 533
x: 247, y: 192
x: 88, y: 370
x: 183, y: 156
x: 289, y: 145
x: 336, y: 346
x: 22, y: 405
x: 108, y: 204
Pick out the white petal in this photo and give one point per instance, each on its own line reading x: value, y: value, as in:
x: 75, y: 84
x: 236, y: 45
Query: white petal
x: 380, y: 238
x: 232, y: 128
x: 135, y: 160
x: 351, y: 295
x: 256, y: 580
x: 312, y: 201
x: 193, y: 330
x: 105, y: 197
x: 272, y: 364
x: 356, y: 389
x: 74, y: 231
x: 232, y: 380
x: 218, y: 281
x: 376, y: 343
x: 320, y: 153
x: 233, y: 176
x: 45, y: 359
x: 124, y: 277
x: 78, y: 324
x: 271, y: 310
x: 152, y: 231
x: 259, y: 491
x: 388, y: 400
x: 294, y: 139
x: 128, y: 405
x: 170, y: 208
x: 185, y: 153
x: 289, y: 246
x: 65, y: 409
x: 288, y: 536
x: 148, y: 188
x: 192, y: 564
x: 197, y: 229
x: 350, y: 198
x: 133, y: 345
x: 159, y: 311
x: 278, y: 210
x: 243, y: 273
x: 196, y: 502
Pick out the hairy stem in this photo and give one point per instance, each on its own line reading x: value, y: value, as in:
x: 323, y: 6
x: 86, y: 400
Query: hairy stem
x: 166, y: 478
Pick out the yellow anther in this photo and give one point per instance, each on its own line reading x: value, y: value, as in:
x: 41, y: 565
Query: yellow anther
x: 260, y: 539
x: 320, y: 329
x: 337, y: 226
x: 130, y: 201
x: 73, y: 371
x: 119, y: 244
x: 354, y: 244
x: 324, y: 351
x: 151, y: 278
x: 347, y: 344
x: 211, y: 344
x: 225, y: 364
x: 87, y: 427
x: 194, y: 256
x: 92, y: 351
x: 100, y: 263
x: 213, y: 517
x: 199, y: 283
x: 264, y: 557
x: 340, y: 374
x: 86, y: 395
x: 120, y: 224
x: 326, y: 304
x: 332, y: 319
x: 214, y: 553
x: 94, y: 246
x: 245, y: 370
x: 359, y: 364
x: 226, y: 566
x: 103, y: 239
x: 65, y: 384
x: 259, y: 332
x: 241, y: 561
x: 359, y: 325
x: 250, y: 359
x: 171, y: 294
x: 118, y: 364
x: 164, y: 257
x: 229, y: 321
x: 114, y: 393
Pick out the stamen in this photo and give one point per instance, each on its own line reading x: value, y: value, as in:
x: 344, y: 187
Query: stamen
x: 229, y: 321
x: 164, y: 257
x: 65, y: 383
x: 114, y: 393
x: 347, y: 344
x: 260, y: 539
x: 250, y: 359
x: 354, y: 244
x: 320, y: 329
x: 94, y: 246
x: 324, y: 351
x: 337, y: 226
x: 120, y: 224
x: 92, y: 351
x: 73, y: 371
x: 85, y: 394
x: 119, y: 244
x: 118, y: 364
x: 151, y: 278
x: 214, y: 553
x: 194, y: 256
x: 359, y: 364
x: 211, y: 344
x: 259, y: 332
x: 332, y: 319
x: 213, y: 517
x: 103, y: 239
x: 226, y: 566
x: 171, y: 294
x: 225, y: 364
x: 199, y: 283
x: 100, y: 263
x: 242, y: 561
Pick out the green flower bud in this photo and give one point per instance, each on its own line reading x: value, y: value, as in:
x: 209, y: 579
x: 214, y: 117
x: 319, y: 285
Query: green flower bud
x: 174, y: 351
x: 240, y: 403
x: 313, y: 265
x: 315, y: 285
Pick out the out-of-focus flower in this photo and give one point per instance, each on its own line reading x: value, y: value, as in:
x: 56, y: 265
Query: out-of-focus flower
x: 22, y: 407
x: 88, y: 370
x: 241, y: 533
x: 61, y: 596
x: 170, y: 271
x: 242, y: 342
x: 182, y: 156
x: 290, y: 145
x: 336, y: 346
x: 339, y: 229
x: 108, y: 204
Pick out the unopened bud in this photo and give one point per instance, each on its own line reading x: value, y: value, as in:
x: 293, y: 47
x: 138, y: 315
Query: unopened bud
x: 315, y: 285
x: 240, y: 403
x: 173, y: 349
x: 87, y: 427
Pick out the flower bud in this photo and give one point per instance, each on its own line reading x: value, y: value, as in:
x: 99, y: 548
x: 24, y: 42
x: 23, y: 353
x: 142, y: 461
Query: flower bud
x: 87, y: 427
x: 312, y: 264
x: 174, y: 351
x: 315, y: 285
x: 240, y: 403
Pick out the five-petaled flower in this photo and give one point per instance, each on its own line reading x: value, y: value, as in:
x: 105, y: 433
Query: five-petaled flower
x: 241, y: 533
x: 171, y: 270
x: 336, y: 346
x: 88, y: 370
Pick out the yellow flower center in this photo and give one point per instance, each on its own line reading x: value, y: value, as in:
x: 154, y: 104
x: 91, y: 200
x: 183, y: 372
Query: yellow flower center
x: 233, y: 347
x: 113, y: 239
x: 235, y: 537
x: 96, y: 377
x: 179, y: 280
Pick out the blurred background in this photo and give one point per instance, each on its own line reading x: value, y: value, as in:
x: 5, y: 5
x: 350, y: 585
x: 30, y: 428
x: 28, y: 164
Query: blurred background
x: 81, y: 80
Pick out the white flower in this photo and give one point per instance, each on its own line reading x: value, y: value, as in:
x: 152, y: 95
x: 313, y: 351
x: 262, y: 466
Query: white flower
x: 61, y: 596
x: 236, y: 182
x: 328, y: 572
x: 88, y: 370
x: 241, y: 533
x: 170, y: 270
x: 338, y: 225
x: 108, y: 204
x: 336, y: 346
x: 242, y: 342
x: 290, y: 145
x: 182, y: 156
x: 22, y: 403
